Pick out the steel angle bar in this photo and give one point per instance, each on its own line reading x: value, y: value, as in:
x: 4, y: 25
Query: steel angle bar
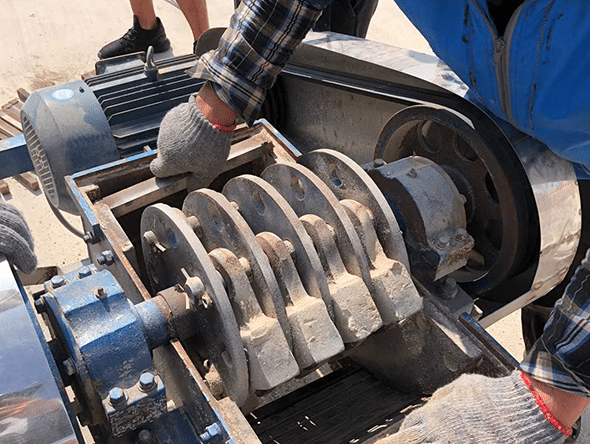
x: 14, y: 157
x: 348, y: 180
x: 307, y: 194
x: 220, y: 225
x: 315, y: 337
x: 270, y: 361
x: 394, y: 291
x: 355, y: 313
x: 173, y: 254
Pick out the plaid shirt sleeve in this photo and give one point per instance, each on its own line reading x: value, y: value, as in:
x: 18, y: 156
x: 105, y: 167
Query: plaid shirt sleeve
x: 254, y: 49
x: 561, y: 356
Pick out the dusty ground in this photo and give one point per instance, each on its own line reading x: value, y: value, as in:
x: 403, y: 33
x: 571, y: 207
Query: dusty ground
x: 55, y: 41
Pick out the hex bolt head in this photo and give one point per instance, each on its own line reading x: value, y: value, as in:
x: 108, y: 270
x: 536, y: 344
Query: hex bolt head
x: 449, y: 288
x: 194, y: 288
x: 117, y: 396
x: 443, y: 242
x: 144, y: 437
x: 210, y: 432
x: 89, y: 238
x: 147, y: 381
x: 84, y: 272
x: 40, y: 305
x: 378, y: 163
x: 105, y: 258
x: 412, y: 173
x: 58, y: 281
x: 69, y: 367
x: 461, y: 234
x: 101, y: 293
x: 207, y: 302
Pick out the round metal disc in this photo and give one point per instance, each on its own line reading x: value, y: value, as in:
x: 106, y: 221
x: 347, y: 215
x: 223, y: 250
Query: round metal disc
x: 486, y: 170
x: 180, y: 249
x: 307, y: 194
x: 348, y: 180
x: 222, y: 226
x: 266, y: 210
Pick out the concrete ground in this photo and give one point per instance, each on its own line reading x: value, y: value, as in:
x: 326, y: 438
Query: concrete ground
x: 47, y: 42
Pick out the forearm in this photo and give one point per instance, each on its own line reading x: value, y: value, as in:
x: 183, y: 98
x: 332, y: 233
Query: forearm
x: 255, y: 48
x: 566, y: 407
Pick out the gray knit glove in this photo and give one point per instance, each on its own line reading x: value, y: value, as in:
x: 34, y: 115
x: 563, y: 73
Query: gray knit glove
x: 16, y: 242
x: 187, y: 142
x: 478, y: 409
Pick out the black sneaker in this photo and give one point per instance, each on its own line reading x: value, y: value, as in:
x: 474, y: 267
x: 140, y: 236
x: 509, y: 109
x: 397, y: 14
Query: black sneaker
x: 137, y: 39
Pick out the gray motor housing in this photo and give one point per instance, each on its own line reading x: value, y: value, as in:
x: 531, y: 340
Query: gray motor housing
x: 66, y: 131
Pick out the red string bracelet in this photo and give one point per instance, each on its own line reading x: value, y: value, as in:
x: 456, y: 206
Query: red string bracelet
x: 544, y: 409
x: 224, y: 129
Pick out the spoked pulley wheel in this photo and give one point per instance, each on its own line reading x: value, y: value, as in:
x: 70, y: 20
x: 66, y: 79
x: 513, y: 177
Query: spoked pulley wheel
x: 500, y: 207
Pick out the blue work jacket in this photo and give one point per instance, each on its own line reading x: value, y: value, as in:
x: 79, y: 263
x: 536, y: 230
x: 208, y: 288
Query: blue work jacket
x: 536, y: 76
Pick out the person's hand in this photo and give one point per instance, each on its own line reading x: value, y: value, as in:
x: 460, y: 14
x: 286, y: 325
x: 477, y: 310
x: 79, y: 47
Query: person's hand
x: 478, y: 409
x: 195, y: 137
x: 16, y: 241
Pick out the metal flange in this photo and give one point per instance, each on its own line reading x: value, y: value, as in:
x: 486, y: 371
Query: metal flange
x: 307, y: 194
x: 348, y: 180
x: 172, y: 251
x: 220, y: 225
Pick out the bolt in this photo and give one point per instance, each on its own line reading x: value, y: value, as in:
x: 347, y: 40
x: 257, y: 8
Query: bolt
x: 84, y: 272
x: 147, y: 381
x: 449, y: 288
x: 193, y: 286
x: 210, y: 432
x: 443, y: 242
x: 100, y: 293
x: 245, y: 265
x: 461, y: 234
x: 289, y: 246
x: 207, y: 301
x: 105, y: 258
x: 117, y: 396
x: 235, y: 205
x: 412, y: 173
x: 57, y: 281
x: 153, y: 241
x: 378, y: 163
x: 144, y: 437
x: 89, y: 238
x: 69, y: 367
x: 40, y: 305
x: 195, y: 224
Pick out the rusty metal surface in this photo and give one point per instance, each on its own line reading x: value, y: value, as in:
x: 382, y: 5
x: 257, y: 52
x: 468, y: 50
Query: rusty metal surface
x: 220, y: 225
x: 307, y: 194
x: 265, y: 209
x: 178, y: 254
x: 355, y: 312
x: 393, y: 289
x: 315, y: 337
x: 348, y: 180
x: 270, y: 361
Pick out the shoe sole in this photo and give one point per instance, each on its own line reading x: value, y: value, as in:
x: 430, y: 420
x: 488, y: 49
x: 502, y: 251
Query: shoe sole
x: 157, y: 49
